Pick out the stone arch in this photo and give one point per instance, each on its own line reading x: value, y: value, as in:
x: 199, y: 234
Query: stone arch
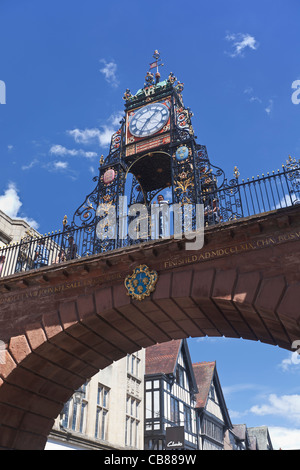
x: 57, y: 354
x: 63, y: 323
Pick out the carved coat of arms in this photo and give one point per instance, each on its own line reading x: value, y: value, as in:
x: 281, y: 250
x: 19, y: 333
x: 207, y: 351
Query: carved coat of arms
x: 141, y: 282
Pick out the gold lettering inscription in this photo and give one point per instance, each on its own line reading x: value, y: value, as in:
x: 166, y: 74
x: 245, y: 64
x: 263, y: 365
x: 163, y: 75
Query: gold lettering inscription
x: 230, y: 250
x: 167, y: 264
x: 46, y: 291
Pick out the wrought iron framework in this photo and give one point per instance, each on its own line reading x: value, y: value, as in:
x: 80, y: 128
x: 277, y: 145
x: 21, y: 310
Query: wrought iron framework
x: 136, y: 170
x: 233, y: 200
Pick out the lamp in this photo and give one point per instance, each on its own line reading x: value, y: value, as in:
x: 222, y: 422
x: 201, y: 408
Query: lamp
x: 78, y: 396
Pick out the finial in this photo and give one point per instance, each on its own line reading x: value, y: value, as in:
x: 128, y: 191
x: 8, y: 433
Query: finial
x: 149, y: 79
x: 171, y: 78
x: 127, y: 95
x: 65, y: 221
x: 101, y: 161
x: 179, y: 87
x: 236, y: 172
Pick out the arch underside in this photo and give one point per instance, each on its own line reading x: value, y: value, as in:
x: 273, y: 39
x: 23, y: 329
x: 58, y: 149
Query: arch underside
x: 56, y: 355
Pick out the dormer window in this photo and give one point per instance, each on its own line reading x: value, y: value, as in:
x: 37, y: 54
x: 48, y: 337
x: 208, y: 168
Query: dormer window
x: 212, y: 392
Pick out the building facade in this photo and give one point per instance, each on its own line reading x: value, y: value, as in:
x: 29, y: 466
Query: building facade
x: 181, y: 394
x: 107, y: 412
x: 211, y: 410
x: 12, y: 230
x: 170, y: 391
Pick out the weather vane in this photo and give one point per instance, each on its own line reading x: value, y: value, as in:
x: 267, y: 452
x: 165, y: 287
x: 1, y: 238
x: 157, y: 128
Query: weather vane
x: 156, y: 64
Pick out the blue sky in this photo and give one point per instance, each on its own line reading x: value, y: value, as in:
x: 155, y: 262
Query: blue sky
x: 66, y: 65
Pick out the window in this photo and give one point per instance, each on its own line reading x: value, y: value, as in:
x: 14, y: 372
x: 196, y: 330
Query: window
x: 133, y: 364
x: 78, y: 416
x: 74, y: 413
x: 212, y: 392
x: 213, y: 430
x: 175, y: 411
x: 132, y: 422
x: 155, y: 444
x: 152, y: 404
x: 102, y: 412
x: 187, y: 419
x: 180, y: 376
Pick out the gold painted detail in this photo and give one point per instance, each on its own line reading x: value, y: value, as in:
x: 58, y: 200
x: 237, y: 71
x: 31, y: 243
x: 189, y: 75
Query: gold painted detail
x: 141, y: 282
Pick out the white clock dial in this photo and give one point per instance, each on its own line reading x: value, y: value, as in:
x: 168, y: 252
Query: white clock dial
x: 149, y: 120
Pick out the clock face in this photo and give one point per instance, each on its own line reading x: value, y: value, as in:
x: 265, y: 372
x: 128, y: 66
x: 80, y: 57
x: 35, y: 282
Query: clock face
x: 149, y: 120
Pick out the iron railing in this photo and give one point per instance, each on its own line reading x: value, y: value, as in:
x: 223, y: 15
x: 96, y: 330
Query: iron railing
x: 229, y: 202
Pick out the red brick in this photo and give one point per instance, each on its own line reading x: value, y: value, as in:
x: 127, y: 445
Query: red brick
x: 52, y: 324
x: 7, y: 437
x: 36, y: 424
x: 10, y: 416
x: 163, y: 286
x: 181, y: 283
x: 68, y: 314
x: 269, y: 295
x: 85, y: 305
x: 7, y: 368
x: 289, y: 305
x: 103, y: 299
x: 36, y: 335
x: 29, y: 441
x: 19, y: 348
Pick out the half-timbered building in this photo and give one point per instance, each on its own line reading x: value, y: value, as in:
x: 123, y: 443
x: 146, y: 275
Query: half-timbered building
x: 211, y: 411
x: 183, y: 395
x: 170, y: 394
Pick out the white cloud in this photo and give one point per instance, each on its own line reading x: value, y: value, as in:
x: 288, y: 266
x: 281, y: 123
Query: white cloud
x: 237, y: 388
x: 60, y: 165
x: 10, y: 204
x: 240, y: 42
x: 85, y: 136
x: 237, y: 415
x: 285, y: 406
x: 88, y: 136
x: 284, y: 438
x: 269, y: 108
x: 60, y: 150
x: 252, y: 97
x: 109, y: 71
x: 100, y: 135
x: 30, y: 165
x: 255, y: 98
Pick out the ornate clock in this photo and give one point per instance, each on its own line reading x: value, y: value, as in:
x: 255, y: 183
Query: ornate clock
x: 149, y: 120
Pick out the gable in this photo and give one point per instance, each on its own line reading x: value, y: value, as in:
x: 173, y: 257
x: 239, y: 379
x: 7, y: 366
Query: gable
x: 210, y: 396
x: 173, y: 359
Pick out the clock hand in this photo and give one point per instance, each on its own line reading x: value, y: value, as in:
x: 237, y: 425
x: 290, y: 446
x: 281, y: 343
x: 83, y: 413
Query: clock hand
x: 150, y: 118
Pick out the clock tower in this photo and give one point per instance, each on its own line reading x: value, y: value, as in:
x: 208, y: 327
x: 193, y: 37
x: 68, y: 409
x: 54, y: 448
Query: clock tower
x: 154, y: 152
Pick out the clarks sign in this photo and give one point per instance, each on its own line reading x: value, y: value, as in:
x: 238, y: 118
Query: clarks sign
x: 175, y: 437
